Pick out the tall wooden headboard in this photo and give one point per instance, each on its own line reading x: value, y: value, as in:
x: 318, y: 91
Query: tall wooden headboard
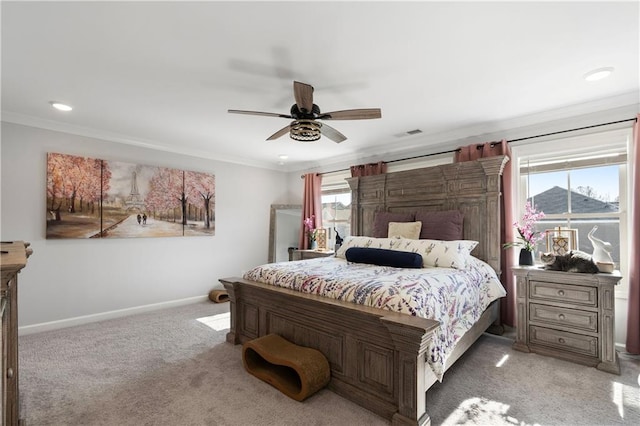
x: 472, y: 187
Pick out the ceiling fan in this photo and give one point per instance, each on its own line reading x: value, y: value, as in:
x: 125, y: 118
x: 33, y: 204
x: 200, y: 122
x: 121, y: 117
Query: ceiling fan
x: 304, y: 113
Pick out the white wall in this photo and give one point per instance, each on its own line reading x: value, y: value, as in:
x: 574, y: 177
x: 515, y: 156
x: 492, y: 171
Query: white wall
x: 72, y: 278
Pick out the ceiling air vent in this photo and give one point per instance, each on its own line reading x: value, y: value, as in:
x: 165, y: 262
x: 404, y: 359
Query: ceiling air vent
x: 409, y: 133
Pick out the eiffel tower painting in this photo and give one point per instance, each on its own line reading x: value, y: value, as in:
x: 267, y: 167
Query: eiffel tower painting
x: 125, y: 200
x: 134, y: 201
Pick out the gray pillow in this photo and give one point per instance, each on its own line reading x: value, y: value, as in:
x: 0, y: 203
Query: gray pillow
x: 381, y: 222
x: 441, y: 225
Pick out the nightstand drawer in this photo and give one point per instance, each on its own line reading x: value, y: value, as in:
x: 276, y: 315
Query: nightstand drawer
x: 555, y: 315
x: 571, y: 342
x: 574, y: 294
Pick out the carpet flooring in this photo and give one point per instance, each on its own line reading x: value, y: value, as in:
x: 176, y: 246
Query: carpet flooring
x: 173, y: 367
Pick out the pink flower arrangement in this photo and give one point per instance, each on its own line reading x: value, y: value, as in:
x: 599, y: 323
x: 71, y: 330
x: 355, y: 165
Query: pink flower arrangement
x: 309, y: 226
x: 528, y: 236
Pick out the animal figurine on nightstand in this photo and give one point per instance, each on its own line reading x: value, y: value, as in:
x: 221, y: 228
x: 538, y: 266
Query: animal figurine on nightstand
x: 574, y: 261
x: 601, y: 252
x: 339, y: 240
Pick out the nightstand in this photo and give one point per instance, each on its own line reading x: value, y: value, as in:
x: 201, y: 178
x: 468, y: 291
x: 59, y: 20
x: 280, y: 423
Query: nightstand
x: 310, y: 254
x: 567, y: 315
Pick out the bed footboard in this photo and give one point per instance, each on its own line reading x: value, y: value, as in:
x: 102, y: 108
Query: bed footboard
x: 377, y: 358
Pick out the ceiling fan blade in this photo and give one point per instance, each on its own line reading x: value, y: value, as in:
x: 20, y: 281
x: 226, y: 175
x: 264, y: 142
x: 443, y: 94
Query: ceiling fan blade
x: 332, y: 133
x: 352, y: 114
x: 279, y: 133
x: 304, y: 96
x: 266, y: 114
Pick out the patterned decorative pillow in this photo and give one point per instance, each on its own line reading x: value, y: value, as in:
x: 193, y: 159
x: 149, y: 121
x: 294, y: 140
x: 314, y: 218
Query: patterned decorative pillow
x: 381, y: 222
x: 441, y: 225
x: 438, y: 253
x: 410, y: 230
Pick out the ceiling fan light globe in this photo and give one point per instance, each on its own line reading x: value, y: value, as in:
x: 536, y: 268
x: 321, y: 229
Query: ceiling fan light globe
x: 305, y: 130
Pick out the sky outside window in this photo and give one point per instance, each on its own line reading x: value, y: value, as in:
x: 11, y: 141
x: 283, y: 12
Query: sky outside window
x: 603, y: 180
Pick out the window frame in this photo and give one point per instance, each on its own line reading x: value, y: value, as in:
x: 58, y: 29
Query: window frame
x: 335, y: 183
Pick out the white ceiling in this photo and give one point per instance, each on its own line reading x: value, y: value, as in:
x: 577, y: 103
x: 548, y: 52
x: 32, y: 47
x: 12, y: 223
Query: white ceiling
x: 163, y: 74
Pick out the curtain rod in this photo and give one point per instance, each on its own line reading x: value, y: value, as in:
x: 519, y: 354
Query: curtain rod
x: 572, y: 130
x: 509, y: 141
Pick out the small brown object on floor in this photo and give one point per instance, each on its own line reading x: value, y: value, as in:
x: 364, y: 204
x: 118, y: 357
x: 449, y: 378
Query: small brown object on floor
x: 294, y: 370
x: 219, y: 296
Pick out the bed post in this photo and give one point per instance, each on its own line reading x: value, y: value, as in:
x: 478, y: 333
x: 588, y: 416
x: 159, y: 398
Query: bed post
x: 232, y: 335
x: 355, y: 204
x: 493, y: 168
x: 411, y: 346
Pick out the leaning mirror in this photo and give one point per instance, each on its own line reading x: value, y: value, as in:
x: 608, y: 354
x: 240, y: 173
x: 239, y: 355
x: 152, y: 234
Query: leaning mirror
x: 284, y: 230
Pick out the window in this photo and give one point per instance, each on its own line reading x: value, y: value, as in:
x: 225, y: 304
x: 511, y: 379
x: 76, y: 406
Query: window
x: 336, y: 205
x: 579, y: 183
x: 579, y: 199
x: 336, y: 214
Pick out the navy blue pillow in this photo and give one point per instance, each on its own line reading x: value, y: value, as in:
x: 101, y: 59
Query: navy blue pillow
x: 384, y: 257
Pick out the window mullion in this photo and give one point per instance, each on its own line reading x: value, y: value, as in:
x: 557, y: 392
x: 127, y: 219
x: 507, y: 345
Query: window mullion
x: 569, y: 192
x: 615, y: 215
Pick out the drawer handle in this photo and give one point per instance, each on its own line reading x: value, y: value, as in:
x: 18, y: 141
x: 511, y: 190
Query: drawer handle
x: 561, y: 340
x: 10, y: 373
x: 561, y: 317
x: 560, y: 292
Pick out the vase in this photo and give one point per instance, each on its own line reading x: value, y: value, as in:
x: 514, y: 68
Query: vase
x: 313, y: 245
x: 526, y: 257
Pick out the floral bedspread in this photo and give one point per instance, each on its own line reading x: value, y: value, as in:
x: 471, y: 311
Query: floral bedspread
x: 456, y: 298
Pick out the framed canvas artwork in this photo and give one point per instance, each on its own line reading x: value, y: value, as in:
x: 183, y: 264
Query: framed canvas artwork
x: 92, y: 198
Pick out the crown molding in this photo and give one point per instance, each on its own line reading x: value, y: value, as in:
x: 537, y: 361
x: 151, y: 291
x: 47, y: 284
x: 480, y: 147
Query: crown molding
x: 56, y: 126
x: 422, y: 144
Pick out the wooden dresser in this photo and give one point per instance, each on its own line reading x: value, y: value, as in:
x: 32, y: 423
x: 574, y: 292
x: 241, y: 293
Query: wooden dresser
x: 12, y: 260
x: 567, y: 315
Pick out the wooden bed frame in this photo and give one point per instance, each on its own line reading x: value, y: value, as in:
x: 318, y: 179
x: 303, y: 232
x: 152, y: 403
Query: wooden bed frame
x: 377, y: 357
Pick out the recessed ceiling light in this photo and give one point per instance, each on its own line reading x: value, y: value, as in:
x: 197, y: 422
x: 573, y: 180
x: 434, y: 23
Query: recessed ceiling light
x: 60, y: 106
x: 598, y: 74
x: 283, y: 156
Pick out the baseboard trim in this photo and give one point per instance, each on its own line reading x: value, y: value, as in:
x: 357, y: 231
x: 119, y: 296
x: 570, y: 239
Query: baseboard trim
x: 86, y: 319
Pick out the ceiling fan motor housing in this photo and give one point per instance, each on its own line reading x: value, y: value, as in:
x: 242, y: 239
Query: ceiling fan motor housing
x: 301, y: 114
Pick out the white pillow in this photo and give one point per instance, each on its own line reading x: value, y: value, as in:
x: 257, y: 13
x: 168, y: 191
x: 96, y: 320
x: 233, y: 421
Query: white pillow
x: 438, y: 253
x: 410, y: 230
